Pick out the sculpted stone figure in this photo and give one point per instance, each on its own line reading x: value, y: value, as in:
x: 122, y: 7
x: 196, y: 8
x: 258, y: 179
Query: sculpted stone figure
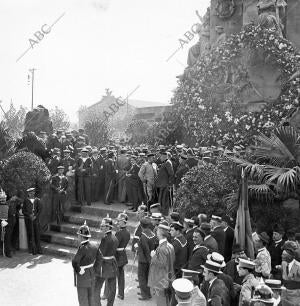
x: 203, y: 44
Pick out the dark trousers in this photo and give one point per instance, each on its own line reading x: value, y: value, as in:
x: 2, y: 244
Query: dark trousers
x: 85, y: 296
x: 111, y: 288
x: 58, y: 202
x: 95, y: 188
x: 33, y: 235
x: 121, y: 281
x: 164, y: 200
x: 84, y: 189
x: 143, y: 272
x: 8, y: 236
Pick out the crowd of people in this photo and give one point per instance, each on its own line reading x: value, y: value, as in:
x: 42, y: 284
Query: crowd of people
x: 131, y: 175
x: 189, y: 262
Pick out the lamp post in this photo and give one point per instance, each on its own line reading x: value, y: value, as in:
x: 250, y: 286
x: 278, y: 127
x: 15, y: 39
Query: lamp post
x: 32, y: 85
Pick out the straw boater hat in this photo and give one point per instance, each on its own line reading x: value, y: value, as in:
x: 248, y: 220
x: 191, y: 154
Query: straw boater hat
x: 189, y: 221
x: 214, y: 265
x: 274, y: 284
x: 263, y: 293
x: 183, y: 289
x: 156, y: 216
x: 31, y: 189
x: 216, y: 218
x: 217, y: 258
x: 245, y: 263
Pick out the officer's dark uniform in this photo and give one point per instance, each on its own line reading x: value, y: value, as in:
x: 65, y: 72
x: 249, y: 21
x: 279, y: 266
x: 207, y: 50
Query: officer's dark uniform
x: 147, y: 242
x: 83, y: 173
x: 83, y: 264
x: 181, y: 254
x: 59, y: 185
x: 136, y: 236
x: 31, y: 212
x: 189, y: 238
x: 123, y: 237
x: 106, y: 268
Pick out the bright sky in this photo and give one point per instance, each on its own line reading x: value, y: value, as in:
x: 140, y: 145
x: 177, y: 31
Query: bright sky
x: 97, y: 44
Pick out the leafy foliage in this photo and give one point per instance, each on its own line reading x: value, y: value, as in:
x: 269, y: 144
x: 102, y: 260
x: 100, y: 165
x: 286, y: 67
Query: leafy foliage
x: 209, y: 94
x: 98, y: 132
x: 14, y: 120
x: 275, y: 171
x: 6, y: 141
x: 137, y: 131
x: 60, y: 120
x: 24, y: 170
x: 209, y: 188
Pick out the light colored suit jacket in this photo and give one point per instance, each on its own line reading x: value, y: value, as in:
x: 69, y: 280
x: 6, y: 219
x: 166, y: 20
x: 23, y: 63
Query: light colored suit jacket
x: 161, y: 272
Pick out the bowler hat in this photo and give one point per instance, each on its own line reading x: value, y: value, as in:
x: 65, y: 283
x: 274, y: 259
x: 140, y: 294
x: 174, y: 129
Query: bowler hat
x: 264, y: 237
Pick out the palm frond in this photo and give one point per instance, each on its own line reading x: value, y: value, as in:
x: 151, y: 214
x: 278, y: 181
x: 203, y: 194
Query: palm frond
x: 281, y: 148
x: 261, y: 192
x: 286, y: 179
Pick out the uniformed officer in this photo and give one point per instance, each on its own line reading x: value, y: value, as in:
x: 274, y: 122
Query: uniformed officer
x: 83, y: 265
x: 4, y: 223
x: 183, y: 290
x: 180, y: 247
x: 147, y: 242
x: 189, y: 226
x: 141, y: 213
x: 59, y: 185
x: 32, y: 208
x: 106, y: 269
x: 123, y: 237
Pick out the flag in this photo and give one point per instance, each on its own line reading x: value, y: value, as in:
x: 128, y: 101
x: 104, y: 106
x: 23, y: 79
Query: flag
x: 243, y: 231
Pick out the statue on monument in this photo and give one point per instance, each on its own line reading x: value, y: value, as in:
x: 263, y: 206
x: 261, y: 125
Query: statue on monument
x: 203, y: 44
x: 271, y: 15
x: 225, y: 8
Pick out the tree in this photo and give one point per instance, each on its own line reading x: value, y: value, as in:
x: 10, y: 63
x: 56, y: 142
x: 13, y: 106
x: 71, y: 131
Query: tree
x: 137, y: 131
x: 207, y: 189
x: 98, y: 132
x: 14, y: 120
x: 60, y: 120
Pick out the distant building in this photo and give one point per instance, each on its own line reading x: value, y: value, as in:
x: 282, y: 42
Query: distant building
x: 122, y: 113
x: 152, y: 113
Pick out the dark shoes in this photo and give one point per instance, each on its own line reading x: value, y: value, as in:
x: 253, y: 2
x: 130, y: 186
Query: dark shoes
x: 121, y: 297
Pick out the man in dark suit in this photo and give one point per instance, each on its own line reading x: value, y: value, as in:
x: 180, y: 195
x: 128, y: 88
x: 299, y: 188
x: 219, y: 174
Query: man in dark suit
x: 141, y: 213
x: 199, y: 254
x: 209, y: 241
x: 67, y: 161
x: 218, y: 232
x: 83, y: 173
x: 59, y: 185
x: 217, y: 293
x: 101, y: 160
x: 32, y: 208
x: 164, y: 180
x: 180, y: 247
x: 191, y: 160
x: 123, y: 237
x: 189, y: 227
x: 83, y: 265
x: 95, y: 179
x: 229, y: 236
x: 106, y: 267
x: 275, y: 251
x: 146, y: 244
x: 54, y: 161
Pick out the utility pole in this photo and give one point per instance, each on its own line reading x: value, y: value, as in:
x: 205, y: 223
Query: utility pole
x: 32, y: 84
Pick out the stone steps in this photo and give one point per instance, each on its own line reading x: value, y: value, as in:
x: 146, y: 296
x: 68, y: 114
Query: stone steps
x: 62, y: 241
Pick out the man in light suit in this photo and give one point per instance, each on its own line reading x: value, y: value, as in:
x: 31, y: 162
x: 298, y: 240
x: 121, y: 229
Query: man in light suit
x: 123, y: 165
x: 164, y: 180
x: 161, y: 272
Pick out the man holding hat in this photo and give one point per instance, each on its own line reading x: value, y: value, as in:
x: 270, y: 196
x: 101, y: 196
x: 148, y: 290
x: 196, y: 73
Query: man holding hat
x: 146, y: 244
x: 83, y: 173
x: 32, y: 208
x: 123, y: 237
x: 106, y: 268
x: 246, y: 269
x: 59, y: 185
x: 183, y: 289
x: 83, y: 265
x: 161, y: 270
